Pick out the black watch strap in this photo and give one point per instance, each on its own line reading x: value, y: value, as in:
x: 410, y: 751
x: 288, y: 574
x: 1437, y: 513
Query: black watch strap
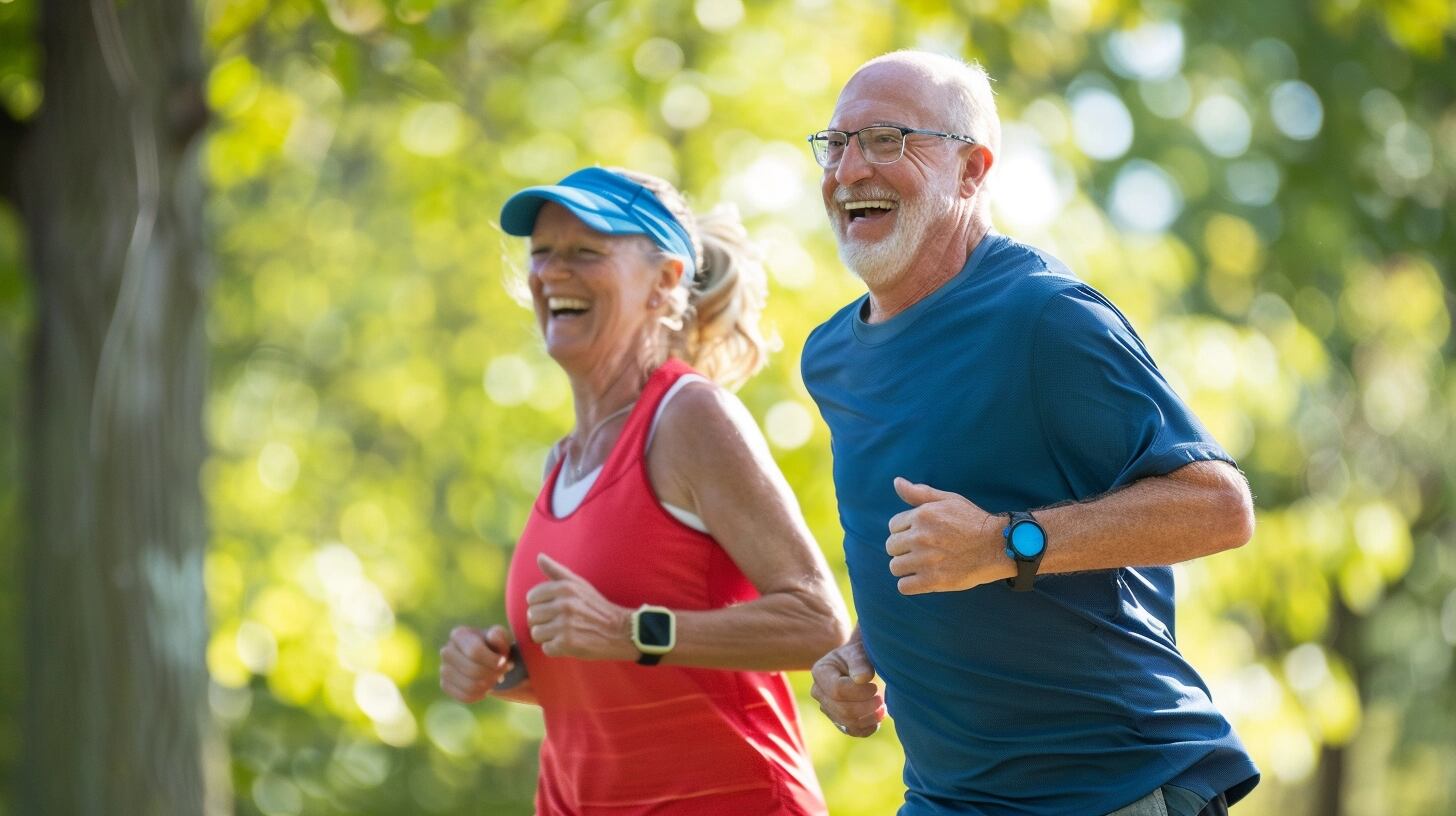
x: 645, y: 659
x: 516, y: 675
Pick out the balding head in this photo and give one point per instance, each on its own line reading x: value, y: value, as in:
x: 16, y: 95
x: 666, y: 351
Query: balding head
x: 960, y: 92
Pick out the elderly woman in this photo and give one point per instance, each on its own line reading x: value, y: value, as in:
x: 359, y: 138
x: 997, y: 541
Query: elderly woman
x: 665, y: 576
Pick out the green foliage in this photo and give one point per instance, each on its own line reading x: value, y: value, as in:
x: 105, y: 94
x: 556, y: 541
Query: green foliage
x: 20, y: 91
x: 1275, y: 222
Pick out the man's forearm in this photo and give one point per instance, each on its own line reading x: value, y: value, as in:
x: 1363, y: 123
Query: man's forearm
x: 1197, y: 510
x: 945, y: 542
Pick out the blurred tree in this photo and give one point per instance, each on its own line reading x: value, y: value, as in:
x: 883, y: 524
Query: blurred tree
x: 104, y: 177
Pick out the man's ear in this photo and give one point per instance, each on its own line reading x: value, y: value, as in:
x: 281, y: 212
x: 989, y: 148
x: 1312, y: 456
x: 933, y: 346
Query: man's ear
x: 975, y: 170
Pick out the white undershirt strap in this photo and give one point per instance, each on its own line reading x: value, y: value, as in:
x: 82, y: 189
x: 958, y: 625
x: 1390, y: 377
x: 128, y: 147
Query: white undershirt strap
x: 565, y: 498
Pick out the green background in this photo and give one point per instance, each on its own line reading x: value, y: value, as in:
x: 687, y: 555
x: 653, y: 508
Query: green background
x: 1262, y: 187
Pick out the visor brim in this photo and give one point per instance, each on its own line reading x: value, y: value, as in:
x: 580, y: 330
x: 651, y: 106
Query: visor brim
x: 518, y: 216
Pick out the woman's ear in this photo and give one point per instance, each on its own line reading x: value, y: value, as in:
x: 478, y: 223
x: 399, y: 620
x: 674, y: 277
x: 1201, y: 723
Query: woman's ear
x: 668, y: 275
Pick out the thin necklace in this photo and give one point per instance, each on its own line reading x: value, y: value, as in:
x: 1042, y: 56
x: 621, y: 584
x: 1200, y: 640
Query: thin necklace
x: 573, y: 466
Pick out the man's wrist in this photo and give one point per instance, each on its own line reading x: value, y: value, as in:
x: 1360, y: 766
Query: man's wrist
x: 1001, y: 567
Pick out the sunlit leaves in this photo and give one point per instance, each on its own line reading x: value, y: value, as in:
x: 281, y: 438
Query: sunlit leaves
x: 20, y: 86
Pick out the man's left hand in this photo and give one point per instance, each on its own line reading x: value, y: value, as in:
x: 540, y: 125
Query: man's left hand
x: 944, y: 542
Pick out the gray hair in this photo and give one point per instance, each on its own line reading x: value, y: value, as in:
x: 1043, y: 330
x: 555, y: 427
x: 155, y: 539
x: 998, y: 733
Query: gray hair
x: 967, y: 88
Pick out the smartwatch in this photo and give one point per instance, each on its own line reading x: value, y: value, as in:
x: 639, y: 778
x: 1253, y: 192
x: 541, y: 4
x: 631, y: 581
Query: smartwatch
x: 517, y: 675
x: 1025, y: 544
x: 654, y: 633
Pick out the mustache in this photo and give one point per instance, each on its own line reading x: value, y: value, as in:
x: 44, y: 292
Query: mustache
x: 862, y: 192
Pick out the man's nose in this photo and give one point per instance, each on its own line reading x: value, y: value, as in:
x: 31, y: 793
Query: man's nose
x: 852, y: 165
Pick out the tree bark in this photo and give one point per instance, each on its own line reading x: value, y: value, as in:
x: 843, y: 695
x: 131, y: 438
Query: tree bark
x: 1329, y: 782
x: 115, y: 617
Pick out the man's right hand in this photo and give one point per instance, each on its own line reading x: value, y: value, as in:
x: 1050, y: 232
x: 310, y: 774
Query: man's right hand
x: 473, y: 660
x: 844, y: 685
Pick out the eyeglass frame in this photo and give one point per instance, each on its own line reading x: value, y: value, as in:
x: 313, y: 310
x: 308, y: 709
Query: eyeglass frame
x: 904, y: 131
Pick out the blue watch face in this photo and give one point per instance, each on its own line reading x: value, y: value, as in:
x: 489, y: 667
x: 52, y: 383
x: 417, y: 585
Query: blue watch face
x: 1027, y: 539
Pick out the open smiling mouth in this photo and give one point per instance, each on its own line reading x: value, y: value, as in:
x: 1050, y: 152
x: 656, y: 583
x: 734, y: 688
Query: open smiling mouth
x: 872, y: 208
x: 566, y: 307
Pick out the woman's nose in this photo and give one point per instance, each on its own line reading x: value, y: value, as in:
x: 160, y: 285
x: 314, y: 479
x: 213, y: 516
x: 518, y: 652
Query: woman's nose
x: 550, y: 266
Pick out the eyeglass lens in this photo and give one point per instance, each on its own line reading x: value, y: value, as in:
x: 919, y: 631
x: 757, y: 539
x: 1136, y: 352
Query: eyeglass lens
x: 880, y: 145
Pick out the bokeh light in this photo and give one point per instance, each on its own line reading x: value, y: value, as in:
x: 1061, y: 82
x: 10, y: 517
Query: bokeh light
x: 1144, y: 198
x: 1223, y: 125
x: 1102, y: 124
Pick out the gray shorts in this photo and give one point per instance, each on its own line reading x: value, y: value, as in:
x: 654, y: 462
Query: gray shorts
x: 1158, y: 804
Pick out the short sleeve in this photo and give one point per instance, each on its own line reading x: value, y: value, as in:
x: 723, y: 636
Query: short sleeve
x: 1106, y: 412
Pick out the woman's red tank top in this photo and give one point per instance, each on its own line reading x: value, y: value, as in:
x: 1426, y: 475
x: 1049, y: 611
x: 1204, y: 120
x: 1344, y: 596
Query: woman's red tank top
x: 626, y: 739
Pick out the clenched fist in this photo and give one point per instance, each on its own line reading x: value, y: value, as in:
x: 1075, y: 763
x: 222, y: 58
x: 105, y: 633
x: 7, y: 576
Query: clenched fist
x: 473, y: 661
x: 844, y: 685
x: 570, y: 618
x: 944, y: 542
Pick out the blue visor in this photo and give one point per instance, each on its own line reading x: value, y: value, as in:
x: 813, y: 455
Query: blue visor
x: 608, y: 203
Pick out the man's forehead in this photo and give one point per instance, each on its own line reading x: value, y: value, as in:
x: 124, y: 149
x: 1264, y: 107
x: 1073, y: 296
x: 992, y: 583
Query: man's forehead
x: 888, y: 94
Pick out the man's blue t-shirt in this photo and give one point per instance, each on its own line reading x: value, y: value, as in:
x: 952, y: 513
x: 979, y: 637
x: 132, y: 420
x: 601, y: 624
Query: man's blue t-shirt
x: 1018, y: 386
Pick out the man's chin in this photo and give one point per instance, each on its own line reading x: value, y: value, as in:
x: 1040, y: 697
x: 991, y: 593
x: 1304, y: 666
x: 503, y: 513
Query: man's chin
x: 873, y: 268
x: 876, y: 278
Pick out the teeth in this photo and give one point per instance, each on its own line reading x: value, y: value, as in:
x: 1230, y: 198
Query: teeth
x: 879, y: 204
x: 559, y: 303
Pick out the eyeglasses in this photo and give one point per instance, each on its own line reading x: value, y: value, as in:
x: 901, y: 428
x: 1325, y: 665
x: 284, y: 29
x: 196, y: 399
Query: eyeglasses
x: 880, y: 144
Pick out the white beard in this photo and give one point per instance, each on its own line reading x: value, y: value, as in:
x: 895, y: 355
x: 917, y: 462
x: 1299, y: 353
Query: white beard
x: 879, y: 263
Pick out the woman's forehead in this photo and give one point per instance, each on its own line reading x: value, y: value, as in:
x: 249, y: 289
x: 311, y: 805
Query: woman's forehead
x: 557, y: 223
x: 553, y: 218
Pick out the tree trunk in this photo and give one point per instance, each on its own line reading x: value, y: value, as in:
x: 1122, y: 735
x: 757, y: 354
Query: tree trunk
x: 115, y: 617
x: 1329, y: 782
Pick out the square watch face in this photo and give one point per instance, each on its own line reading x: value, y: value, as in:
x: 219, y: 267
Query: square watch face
x: 654, y: 628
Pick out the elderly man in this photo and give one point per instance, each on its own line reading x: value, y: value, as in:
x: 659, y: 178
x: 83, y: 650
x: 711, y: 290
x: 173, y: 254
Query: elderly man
x: 1014, y: 476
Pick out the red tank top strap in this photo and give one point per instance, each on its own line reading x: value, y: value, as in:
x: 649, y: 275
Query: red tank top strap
x: 632, y: 444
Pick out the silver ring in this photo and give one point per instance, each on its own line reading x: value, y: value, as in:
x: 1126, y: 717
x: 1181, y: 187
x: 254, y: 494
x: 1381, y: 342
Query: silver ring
x: 843, y: 729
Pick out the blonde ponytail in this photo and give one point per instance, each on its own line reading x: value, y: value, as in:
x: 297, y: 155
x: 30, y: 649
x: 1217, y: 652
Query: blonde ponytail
x: 720, y: 333
x: 713, y: 322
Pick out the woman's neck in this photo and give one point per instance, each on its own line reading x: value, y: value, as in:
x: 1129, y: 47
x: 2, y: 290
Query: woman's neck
x: 603, y: 390
x: 603, y: 399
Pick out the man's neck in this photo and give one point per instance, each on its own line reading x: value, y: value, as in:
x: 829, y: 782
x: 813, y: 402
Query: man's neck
x: 926, y: 272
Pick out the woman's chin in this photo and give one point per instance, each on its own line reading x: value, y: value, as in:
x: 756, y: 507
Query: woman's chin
x: 565, y: 337
x: 573, y: 355
x: 563, y: 353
